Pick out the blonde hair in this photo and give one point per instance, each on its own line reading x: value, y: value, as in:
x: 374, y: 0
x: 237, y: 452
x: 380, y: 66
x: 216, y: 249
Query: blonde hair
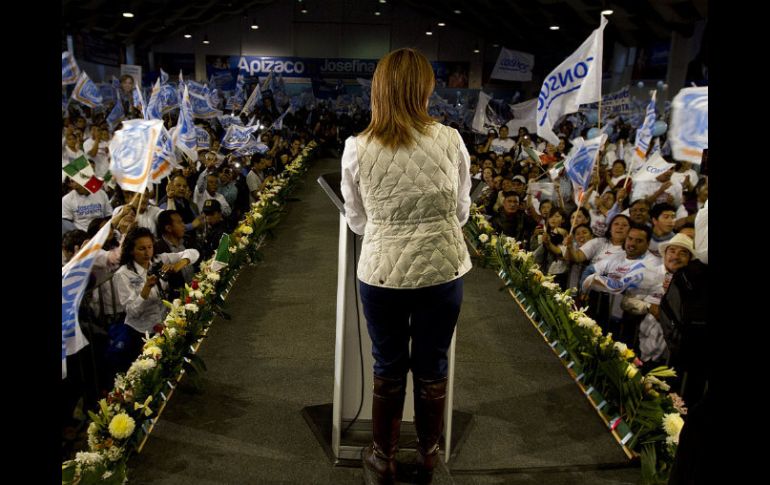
x: 402, y: 83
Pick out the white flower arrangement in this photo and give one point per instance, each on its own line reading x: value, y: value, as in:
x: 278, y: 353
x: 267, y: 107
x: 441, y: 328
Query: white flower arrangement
x: 483, y: 238
x: 140, y: 366
x: 549, y: 285
x: 213, y: 276
x: 88, y: 458
x: 191, y: 307
x: 153, y: 352
x: 672, y: 424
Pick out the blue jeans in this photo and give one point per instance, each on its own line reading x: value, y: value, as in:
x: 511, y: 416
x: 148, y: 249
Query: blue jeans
x: 426, y: 315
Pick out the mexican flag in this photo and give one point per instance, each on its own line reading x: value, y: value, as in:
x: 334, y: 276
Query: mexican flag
x: 81, y: 172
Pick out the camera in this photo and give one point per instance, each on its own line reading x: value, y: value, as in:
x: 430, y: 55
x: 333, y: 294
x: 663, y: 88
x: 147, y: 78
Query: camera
x: 157, y: 270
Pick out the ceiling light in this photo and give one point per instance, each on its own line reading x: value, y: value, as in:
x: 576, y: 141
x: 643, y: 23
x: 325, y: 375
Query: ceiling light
x: 383, y: 1
x: 441, y: 24
x: 187, y: 36
x: 206, y: 39
x: 476, y: 51
x: 128, y: 15
x: 429, y: 33
x: 458, y: 12
x: 304, y: 10
x: 607, y: 12
x: 377, y: 13
x: 495, y: 45
x: 254, y: 26
x: 554, y: 27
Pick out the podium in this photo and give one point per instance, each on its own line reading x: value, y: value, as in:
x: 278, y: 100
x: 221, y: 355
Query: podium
x: 351, y: 410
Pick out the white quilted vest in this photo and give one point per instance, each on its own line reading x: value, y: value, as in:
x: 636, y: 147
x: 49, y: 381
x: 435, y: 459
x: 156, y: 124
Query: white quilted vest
x: 412, y: 237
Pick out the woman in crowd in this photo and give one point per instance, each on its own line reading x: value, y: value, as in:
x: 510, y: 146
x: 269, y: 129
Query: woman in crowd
x: 140, y: 290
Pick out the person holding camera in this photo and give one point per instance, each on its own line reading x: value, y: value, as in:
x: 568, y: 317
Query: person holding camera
x: 140, y: 283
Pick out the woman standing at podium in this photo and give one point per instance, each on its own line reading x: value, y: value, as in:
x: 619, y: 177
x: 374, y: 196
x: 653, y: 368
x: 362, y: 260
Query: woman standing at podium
x: 406, y: 184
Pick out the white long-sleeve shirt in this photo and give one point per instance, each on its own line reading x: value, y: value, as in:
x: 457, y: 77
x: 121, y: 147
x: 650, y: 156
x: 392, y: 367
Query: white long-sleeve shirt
x: 354, y: 205
x: 142, y: 314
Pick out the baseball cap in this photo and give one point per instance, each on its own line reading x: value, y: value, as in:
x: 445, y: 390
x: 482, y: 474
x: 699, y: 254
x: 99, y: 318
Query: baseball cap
x: 211, y: 206
x: 520, y: 178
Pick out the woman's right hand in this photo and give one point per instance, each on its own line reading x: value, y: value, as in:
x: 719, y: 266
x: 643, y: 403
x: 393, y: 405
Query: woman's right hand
x: 151, y: 281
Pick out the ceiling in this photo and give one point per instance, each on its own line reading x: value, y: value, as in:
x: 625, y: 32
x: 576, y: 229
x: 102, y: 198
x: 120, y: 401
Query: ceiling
x: 519, y: 24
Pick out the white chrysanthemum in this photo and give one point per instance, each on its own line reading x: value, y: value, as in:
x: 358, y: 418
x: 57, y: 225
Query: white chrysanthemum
x: 212, y: 276
x: 258, y: 215
x: 483, y: 238
x: 197, y: 294
x: 120, y: 382
x: 621, y: 347
x: 171, y: 332
x: 114, y: 453
x: 232, y: 249
x: 247, y: 230
x: 191, y: 307
x: 88, y: 458
x: 139, y: 366
x: 672, y: 424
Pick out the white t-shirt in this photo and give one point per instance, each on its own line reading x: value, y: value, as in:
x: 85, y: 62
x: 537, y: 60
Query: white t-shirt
x: 82, y: 209
x: 702, y: 234
x: 201, y: 198
x: 599, y: 249
x: 598, y: 223
x: 502, y: 145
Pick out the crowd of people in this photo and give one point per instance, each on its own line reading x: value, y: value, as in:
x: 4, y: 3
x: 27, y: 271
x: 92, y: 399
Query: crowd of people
x: 160, y: 237
x: 619, y: 246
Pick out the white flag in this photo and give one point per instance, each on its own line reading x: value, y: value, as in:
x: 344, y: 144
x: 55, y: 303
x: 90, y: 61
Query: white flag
x: 651, y: 168
x: 577, y: 80
x: 480, y: 120
x: 513, y: 66
x: 524, y: 114
x: 689, y: 130
x: 74, y: 279
x: 133, y: 151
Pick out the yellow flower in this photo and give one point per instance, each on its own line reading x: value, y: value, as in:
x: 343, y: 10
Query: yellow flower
x: 631, y: 371
x: 122, y: 426
x: 628, y: 354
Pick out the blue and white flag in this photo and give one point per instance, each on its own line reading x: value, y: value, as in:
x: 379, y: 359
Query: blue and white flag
x: 137, y: 100
x: 581, y: 160
x: 116, y: 115
x: 163, y: 160
x: 689, y: 130
x: 116, y: 85
x: 644, y: 133
x: 226, y: 120
x: 618, y: 282
x: 235, y: 102
x: 133, y: 150
x: 202, y: 138
x: 254, y: 98
x: 185, y: 136
x: 201, y: 104
x: 237, y: 136
x: 481, y: 122
x: 251, y: 147
x: 169, y: 98
x: 577, y: 80
x: 74, y: 280
x: 278, y: 123
x: 69, y: 69
x: 650, y: 169
x: 513, y: 66
x: 86, y: 91
x: 153, y: 107
x: 163, y: 76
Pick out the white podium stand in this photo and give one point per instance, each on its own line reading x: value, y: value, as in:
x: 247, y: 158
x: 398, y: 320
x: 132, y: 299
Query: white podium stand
x: 352, y: 342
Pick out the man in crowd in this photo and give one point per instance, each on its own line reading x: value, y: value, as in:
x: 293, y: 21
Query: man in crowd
x: 212, y: 230
x: 171, y: 240
x: 502, y: 144
x: 80, y: 206
x: 662, y: 225
x: 212, y: 185
x: 513, y: 221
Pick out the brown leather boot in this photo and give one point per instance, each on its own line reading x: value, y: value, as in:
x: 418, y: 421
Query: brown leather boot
x: 379, y: 459
x: 429, y: 401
